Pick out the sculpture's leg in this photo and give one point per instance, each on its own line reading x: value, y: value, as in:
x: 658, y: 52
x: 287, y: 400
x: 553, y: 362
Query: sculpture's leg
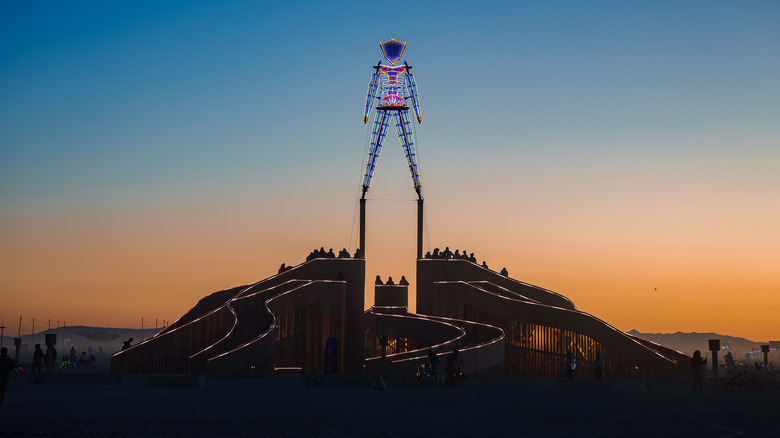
x: 405, y: 135
x: 377, y: 138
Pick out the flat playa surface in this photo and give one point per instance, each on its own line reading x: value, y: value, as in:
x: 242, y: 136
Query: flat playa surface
x: 284, y: 407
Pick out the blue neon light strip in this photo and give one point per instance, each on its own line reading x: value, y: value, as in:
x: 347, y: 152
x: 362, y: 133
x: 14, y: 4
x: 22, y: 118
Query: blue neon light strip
x: 413, y: 95
x: 371, y: 95
x: 404, y: 129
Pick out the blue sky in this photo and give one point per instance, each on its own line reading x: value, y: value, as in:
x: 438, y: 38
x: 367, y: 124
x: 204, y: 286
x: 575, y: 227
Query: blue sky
x: 550, y: 118
x: 140, y: 94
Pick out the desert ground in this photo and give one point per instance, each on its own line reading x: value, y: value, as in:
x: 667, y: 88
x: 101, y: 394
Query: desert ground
x: 285, y: 407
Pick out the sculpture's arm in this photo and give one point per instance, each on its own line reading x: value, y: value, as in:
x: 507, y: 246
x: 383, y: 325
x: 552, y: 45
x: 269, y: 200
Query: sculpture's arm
x: 371, y: 93
x: 413, y: 93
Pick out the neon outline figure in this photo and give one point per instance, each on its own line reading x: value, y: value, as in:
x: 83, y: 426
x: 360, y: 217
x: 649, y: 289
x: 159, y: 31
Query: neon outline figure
x: 392, y: 85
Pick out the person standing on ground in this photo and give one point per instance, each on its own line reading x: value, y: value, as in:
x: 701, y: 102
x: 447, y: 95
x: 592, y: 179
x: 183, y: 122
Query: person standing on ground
x: 37, y: 360
x: 598, y: 366
x: 51, y: 358
x: 6, y: 365
x: 730, y: 366
x: 697, y: 363
x: 453, y: 367
x: 433, y: 360
x: 570, y: 364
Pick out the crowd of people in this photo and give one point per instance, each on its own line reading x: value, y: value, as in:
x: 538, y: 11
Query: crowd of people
x: 322, y: 254
x: 458, y: 255
x: 454, y: 375
x: 447, y: 254
x: 83, y: 362
x: 436, y: 254
x: 49, y: 358
x: 402, y: 282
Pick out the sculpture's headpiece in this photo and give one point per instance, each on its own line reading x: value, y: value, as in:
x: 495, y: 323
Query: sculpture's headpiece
x: 393, y: 50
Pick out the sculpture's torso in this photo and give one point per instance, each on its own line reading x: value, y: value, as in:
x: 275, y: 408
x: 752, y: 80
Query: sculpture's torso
x: 392, y: 82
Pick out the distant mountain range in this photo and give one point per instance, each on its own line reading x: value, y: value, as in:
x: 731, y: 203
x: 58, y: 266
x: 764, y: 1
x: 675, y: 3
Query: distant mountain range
x: 689, y: 342
x: 106, y: 339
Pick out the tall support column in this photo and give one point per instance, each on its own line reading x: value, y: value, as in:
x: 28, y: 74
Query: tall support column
x: 362, y: 227
x: 714, y: 348
x: 419, y: 228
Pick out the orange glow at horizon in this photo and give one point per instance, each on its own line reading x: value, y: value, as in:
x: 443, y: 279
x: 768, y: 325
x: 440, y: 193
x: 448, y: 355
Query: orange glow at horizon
x: 111, y: 268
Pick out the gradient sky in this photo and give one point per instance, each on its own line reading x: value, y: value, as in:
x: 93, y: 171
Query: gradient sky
x: 624, y: 154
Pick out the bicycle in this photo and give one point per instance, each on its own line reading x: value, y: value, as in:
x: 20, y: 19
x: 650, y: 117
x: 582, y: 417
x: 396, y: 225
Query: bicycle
x: 748, y: 380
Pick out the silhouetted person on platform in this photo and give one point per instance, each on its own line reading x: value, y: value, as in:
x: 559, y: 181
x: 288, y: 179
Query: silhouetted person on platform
x: 358, y: 254
x: 472, y: 259
x: 37, y: 360
x: 569, y: 365
x: 598, y: 366
x: 282, y: 268
x: 446, y: 254
x: 390, y: 281
x: 6, y: 365
x: 378, y: 280
x: 330, y: 254
x: 428, y: 255
x: 697, y: 363
x: 435, y: 253
x: 127, y: 344
x: 403, y: 281
x: 504, y: 272
x: 456, y: 255
x: 484, y: 264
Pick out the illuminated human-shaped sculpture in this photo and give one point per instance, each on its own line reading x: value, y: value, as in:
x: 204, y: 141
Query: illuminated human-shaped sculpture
x: 392, y: 85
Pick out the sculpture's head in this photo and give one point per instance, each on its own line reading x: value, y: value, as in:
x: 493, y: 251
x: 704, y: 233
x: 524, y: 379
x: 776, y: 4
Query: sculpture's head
x: 393, y: 50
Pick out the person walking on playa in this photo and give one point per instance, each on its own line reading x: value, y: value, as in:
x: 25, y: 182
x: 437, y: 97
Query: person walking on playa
x: 697, y: 363
x: 51, y: 358
x: 6, y: 365
x: 37, y: 359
